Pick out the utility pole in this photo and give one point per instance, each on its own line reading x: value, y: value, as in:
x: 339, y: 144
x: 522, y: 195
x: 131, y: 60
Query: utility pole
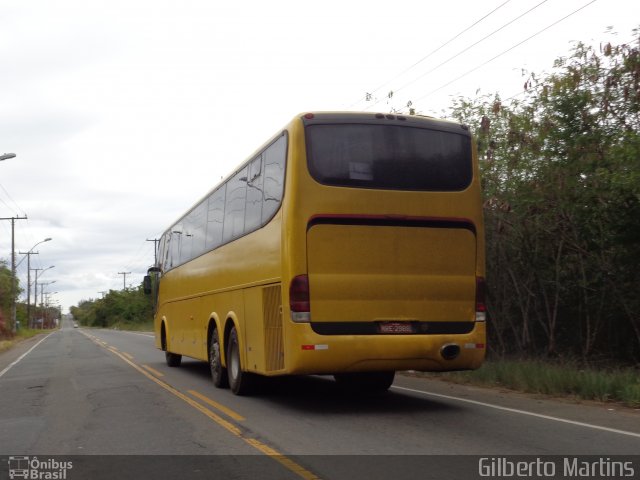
x: 124, y: 279
x: 13, y: 269
x: 28, y: 254
x: 155, y: 241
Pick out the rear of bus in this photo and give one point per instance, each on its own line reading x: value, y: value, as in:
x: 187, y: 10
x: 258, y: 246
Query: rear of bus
x: 384, y: 245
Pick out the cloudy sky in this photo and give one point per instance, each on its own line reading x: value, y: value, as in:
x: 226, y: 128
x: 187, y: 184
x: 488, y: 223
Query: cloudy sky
x: 123, y: 113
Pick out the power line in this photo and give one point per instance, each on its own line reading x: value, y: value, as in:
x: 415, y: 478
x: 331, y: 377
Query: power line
x: 11, y: 199
x: 471, y: 46
x: 464, y: 50
x: 437, y: 49
x: 505, y: 51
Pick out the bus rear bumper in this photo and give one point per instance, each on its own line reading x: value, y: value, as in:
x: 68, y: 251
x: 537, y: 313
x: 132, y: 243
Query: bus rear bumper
x: 310, y: 353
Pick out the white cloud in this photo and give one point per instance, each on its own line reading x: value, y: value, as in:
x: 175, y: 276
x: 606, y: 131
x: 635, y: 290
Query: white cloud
x: 123, y: 113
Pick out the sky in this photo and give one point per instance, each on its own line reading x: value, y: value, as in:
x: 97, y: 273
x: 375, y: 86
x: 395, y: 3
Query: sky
x: 123, y: 113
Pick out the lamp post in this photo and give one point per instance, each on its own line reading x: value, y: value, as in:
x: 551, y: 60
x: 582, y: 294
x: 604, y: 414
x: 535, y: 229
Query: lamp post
x: 28, y: 254
x: 35, y: 290
x: 7, y: 156
x: 42, y: 292
x: 46, y: 306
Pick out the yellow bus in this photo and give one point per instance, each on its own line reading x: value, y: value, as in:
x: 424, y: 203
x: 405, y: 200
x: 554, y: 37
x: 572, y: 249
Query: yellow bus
x: 349, y: 244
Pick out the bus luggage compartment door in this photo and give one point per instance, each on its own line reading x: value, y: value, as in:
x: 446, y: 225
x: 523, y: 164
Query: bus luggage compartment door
x: 381, y: 273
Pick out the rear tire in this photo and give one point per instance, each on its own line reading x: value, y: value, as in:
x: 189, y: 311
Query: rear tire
x: 173, y: 359
x: 218, y: 372
x: 366, y: 382
x: 240, y: 382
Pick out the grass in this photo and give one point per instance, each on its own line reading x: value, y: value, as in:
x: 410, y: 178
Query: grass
x: 537, y: 376
x: 22, y: 334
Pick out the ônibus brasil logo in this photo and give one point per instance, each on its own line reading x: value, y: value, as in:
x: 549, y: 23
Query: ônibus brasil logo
x: 34, y: 469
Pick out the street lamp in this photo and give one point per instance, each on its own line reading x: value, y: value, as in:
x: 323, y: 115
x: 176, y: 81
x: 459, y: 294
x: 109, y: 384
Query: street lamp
x: 42, y: 292
x: 28, y: 254
x: 45, y: 306
x: 7, y: 156
x: 35, y: 287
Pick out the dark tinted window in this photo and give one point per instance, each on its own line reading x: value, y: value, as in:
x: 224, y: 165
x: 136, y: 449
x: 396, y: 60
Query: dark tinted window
x: 389, y: 157
x: 175, y: 244
x: 274, y: 163
x: 253, y: 213
x: 195, y: 225
x: 242, y: 204
x: 234, y: 206
x: 215, y: 217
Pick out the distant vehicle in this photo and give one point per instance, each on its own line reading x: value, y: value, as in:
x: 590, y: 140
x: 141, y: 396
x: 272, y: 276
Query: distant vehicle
x: 350, y: 244
x: 75, y: 324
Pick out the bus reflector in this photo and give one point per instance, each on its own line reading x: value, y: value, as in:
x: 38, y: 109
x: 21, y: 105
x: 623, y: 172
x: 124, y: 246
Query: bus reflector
x: 315, y: 347
x: 299, y: 299
x: 481, y: 306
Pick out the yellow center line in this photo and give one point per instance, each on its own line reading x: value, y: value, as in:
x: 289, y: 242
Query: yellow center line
x: 218, y: 406
x: 230, y: 427
x: 130, y: 357
x: 152, y: 370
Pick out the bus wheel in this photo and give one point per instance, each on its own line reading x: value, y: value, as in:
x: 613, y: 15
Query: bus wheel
x: 218, y: 372
x: 241, y: 382
x: 173, y: 359
x: 369, y: 382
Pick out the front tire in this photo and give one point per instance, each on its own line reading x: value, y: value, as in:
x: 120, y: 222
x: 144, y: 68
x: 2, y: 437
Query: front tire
x: 218, y: 372
x: 240, y: 382
x: 173, y: 359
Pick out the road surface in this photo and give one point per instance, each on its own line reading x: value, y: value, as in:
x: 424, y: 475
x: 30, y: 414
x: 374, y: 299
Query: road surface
x: 87, y: 392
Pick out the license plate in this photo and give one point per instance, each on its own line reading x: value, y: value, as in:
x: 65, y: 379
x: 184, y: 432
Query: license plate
x: 396, y: 327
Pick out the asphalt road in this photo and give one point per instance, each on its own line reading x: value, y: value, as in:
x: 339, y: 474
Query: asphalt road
x: 103, y: 392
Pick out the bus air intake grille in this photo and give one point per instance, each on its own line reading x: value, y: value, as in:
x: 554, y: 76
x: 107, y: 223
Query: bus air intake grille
x: 273, y: 342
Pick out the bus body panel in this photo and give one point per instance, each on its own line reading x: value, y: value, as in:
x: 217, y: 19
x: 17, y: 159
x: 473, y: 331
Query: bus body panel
x: 219, y: 284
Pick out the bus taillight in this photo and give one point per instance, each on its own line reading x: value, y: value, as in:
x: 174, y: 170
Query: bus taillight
x: 481, y: 293
x: 299, y: 299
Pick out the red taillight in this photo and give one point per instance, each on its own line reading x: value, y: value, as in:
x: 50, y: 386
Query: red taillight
x: 299, y: 294
x: 481, y: 293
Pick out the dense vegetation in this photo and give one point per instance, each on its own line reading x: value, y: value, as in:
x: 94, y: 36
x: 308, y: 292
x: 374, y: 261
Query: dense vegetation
x: 121, y: 309
x: 6, y: 299
x: 561, y: 179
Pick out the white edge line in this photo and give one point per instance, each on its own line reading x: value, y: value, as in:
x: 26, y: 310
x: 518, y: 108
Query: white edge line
x: 24, y: 355
x: 522, y: 412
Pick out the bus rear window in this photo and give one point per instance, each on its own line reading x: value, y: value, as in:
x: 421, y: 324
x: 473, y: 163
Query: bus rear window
x: 389, y: 157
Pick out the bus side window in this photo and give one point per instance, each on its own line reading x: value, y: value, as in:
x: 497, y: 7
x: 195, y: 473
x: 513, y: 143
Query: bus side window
x: 215, y: 217
x: 253, y: 213
x: 176, y: 240
x: 196, y: 230
x: 274, y: 164
x: 234, y: 206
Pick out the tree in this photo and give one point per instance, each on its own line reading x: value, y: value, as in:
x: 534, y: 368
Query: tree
x: 8, y: 286
x: 118, y: 307
x: 561, y: 178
